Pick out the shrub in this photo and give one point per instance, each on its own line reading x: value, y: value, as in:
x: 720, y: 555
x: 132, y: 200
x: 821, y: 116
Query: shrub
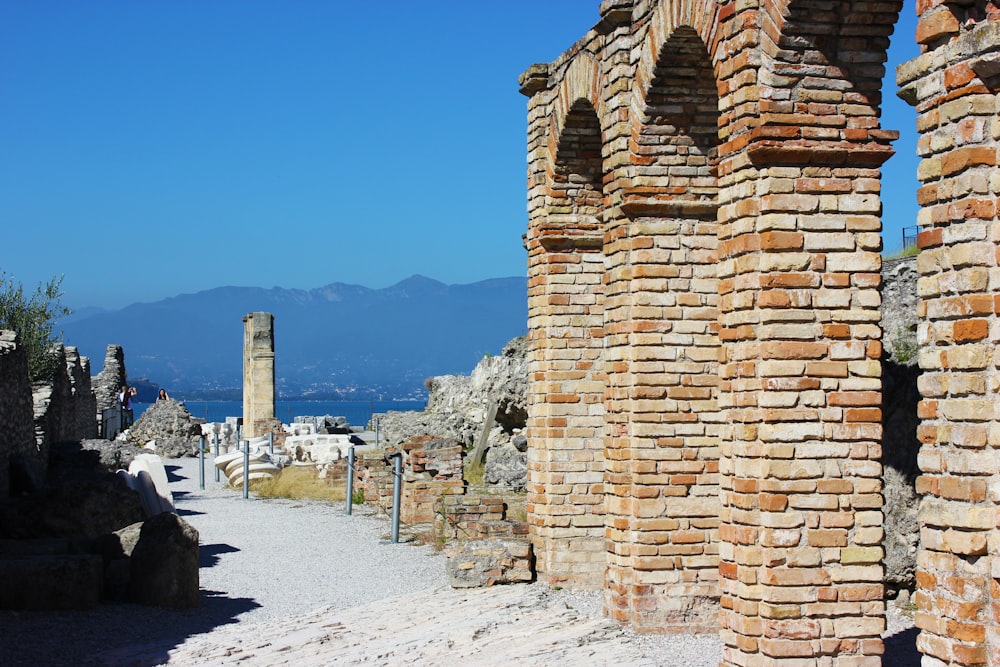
x: 33, y: 319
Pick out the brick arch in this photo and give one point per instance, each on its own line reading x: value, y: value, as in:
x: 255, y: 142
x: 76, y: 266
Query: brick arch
x: 822, y: 63
x: 579, y: 86
x: 701, y: 18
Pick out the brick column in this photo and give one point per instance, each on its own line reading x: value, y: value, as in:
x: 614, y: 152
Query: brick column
x: 801, y: 556
x: 565, y: 502
x: 662, y: 347
x: 954, y: 86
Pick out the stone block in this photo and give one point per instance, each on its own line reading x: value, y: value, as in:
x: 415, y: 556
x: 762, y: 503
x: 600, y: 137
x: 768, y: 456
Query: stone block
x: 51, y: 582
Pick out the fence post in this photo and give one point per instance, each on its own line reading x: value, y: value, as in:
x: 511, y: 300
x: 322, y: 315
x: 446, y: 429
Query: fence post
x: 215, y: 438
x: 246, y: 469
x: 201, y: 463
x: 397, y: 485
x: 350, y: 479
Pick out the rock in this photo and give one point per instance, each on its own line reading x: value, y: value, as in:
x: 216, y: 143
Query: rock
x: 506, y: 467
x: 502, y: 379
x: 164, y: 563
x: 114, y: 454
x: 115, y: 550
x: 520, y: 442
x: 459, y: 405
x: 479, y: 563
x: 397, y: 427
x: 173, y: 428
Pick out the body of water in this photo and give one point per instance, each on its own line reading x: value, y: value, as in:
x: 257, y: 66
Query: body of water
x: 357, y: 413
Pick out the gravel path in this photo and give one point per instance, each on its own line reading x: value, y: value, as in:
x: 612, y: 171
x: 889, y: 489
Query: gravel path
x: 287, y: 582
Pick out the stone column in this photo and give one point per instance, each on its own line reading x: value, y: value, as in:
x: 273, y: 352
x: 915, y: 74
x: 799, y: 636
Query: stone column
x: 954, y: 85
x: 258, y: 371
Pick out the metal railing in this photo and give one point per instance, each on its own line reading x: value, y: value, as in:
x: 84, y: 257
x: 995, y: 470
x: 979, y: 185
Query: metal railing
x: 910, y: 237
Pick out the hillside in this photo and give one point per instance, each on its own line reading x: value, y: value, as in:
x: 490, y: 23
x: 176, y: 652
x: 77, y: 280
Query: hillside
x: 332, y: 341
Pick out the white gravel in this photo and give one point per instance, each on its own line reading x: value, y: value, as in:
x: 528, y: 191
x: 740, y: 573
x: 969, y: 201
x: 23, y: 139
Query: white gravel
x: 287, y: 582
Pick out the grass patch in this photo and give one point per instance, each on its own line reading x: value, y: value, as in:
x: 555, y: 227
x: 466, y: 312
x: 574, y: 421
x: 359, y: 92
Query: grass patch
x: 473, y: 473
x: 909, y: 251
x: 300, y: 483
x: 904, y: 345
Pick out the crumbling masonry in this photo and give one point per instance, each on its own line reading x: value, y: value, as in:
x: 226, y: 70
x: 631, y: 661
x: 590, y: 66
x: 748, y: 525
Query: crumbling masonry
x: 703, y: 250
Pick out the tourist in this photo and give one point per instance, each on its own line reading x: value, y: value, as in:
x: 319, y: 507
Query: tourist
x: 162, y: 396
x: 125, y: 398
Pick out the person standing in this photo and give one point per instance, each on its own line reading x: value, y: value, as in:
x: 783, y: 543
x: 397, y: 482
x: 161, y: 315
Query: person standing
x: 125, y: 398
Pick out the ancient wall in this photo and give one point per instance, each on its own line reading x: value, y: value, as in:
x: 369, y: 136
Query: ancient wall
x: 65, y: 409
x: 705, y: 347
x: 107, y: 385
x: 258, y: 371
x: 18, y: 453
x: 953, y: 85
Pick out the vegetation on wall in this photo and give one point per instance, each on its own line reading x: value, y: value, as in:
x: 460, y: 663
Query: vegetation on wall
x: 33, y: 318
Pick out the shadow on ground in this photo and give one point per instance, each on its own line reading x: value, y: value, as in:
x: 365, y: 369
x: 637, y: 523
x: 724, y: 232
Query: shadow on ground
x: 208, y: 554
x: 112, y: 634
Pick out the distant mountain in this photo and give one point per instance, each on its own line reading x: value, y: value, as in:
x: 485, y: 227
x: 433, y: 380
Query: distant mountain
x: 334, y: 341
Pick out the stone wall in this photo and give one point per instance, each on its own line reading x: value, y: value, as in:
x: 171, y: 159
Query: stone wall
x: 108, y: 383
x: 65, y: 409
x: 18, y: 452
x: 706, y: 403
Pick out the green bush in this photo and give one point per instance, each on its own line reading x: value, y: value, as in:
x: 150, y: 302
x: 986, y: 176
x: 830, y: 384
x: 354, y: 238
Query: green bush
x: 33, y: 319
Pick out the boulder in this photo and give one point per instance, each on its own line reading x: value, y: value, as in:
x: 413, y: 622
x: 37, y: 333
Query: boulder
x: 175, y: 432
x: 480, y: 563
x: 506, y: 467
x: 164, y: 563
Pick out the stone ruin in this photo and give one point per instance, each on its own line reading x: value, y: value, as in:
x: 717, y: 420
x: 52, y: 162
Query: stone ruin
x: 72, y: 533
x: 258, y: 375
x: 705, y: 411
x: 486, y: 411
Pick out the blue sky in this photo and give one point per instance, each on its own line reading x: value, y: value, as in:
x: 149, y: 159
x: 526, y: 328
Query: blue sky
x: 155, y: 148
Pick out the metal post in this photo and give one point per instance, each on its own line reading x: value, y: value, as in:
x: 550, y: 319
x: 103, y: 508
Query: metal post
x: 376, y: 431
x: 350, y: 479
x: 397, y: 486
x: 246, y: 469
x: 215, y: 438
x: 201, y: 463
x: 270, y: 441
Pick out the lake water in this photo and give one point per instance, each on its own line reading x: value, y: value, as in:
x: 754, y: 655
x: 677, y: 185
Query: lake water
x: 357, y: 413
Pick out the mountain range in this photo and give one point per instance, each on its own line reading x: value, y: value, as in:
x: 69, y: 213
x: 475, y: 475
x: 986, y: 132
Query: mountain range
x: 336, y: 341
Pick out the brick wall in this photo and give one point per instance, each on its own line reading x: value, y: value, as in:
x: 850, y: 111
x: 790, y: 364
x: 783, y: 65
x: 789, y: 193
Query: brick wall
x: 954, y: 85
